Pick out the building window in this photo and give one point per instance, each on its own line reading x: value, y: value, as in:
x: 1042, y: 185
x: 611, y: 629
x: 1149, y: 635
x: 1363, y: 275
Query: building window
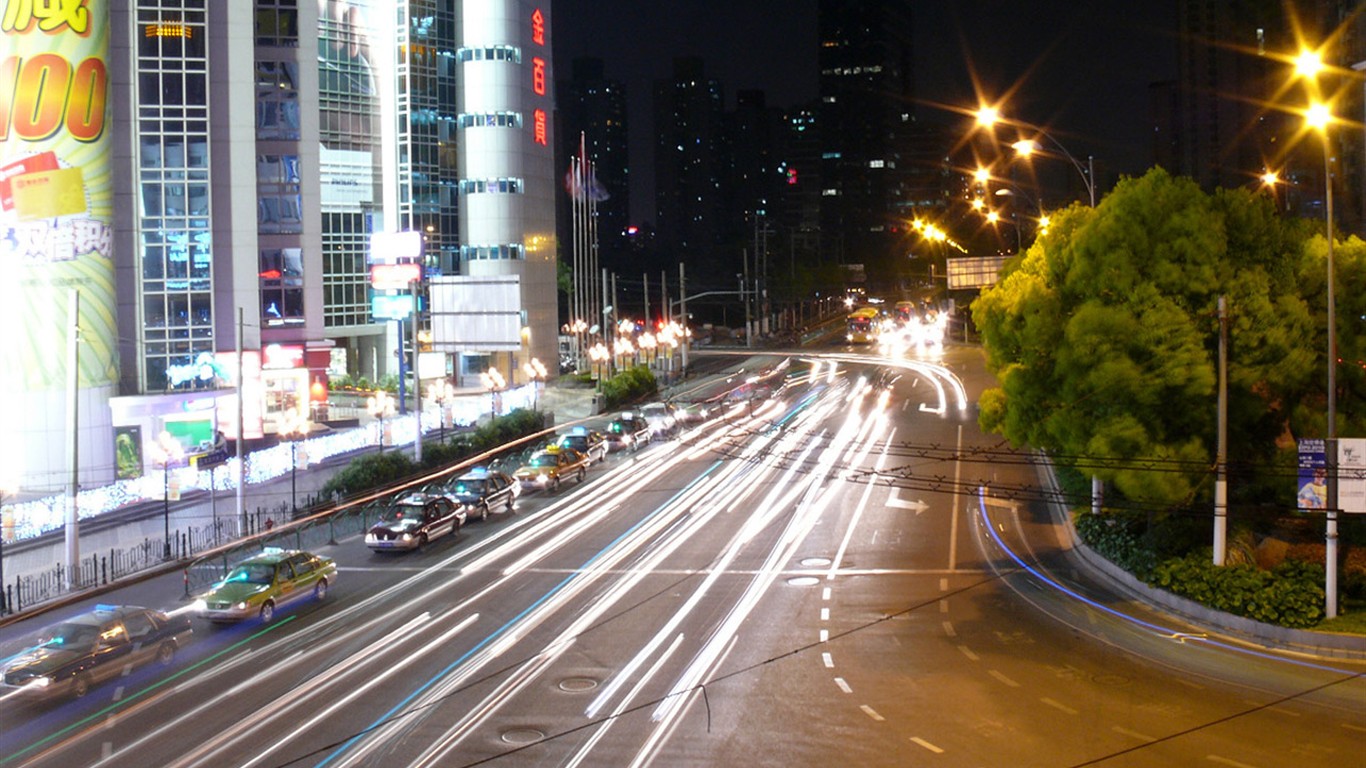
x: 492, y: 119
x: 491, y: 53
x: 277, y: 100
x: 502, y: 252
x: 277, y: 23
x: 477, y: 186
x: 282, y: 286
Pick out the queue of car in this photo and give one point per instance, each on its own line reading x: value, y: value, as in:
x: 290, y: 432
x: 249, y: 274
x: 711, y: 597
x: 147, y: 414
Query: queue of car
x: 75, y: 654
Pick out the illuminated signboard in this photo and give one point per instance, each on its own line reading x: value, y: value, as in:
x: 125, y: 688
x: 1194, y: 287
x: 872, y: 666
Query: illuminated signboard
x: 275, y: 357
x: 394, y: 277
x: 395, y: 247
x: 538, y: 127
x: 55, y: 193
x: 537, y: 27
x: 538, y: 75
x: 540, y: 131
x: 396, y: 307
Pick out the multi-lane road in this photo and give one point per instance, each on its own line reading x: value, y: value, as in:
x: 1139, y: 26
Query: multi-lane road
x: 839, y: 570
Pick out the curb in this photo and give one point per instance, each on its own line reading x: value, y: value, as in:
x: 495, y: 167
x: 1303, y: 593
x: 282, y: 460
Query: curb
x: 1247, y: 631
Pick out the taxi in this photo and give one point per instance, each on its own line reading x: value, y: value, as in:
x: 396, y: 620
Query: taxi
x: 414, y: 520
x: 480, y: 490
x: 550, y: 467
x: 101, y: 644
x: 260, y: 585
x: 589, y: 442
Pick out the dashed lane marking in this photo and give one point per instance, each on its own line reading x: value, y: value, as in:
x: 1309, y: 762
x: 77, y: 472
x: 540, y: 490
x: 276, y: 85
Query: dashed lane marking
x: 828, y: 660
x: 843, y: 686
x: 921, y: 742
x: 1226, y: 761
x: 1059, y: 706
x: 869, y: 711
x: 1132, y: 734
x: 1000, y: 676
x: 968, y: 652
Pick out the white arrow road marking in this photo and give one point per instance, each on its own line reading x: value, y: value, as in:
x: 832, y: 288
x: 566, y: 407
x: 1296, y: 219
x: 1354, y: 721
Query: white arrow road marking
x: 894, y: 500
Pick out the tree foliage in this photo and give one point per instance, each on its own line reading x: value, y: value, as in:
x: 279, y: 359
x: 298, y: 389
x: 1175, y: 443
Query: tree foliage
x: 1104, y: 335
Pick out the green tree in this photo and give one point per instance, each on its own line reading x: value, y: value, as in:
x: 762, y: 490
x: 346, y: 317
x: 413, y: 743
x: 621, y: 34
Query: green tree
x: 1104, y: 335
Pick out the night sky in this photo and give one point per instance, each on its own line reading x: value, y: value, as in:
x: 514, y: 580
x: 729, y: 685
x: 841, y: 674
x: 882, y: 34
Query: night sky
x: 1081, y: 69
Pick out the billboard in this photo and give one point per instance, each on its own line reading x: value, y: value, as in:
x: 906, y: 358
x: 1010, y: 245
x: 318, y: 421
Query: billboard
x: 55, y: 215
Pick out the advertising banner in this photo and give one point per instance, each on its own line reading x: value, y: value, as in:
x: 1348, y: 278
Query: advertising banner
x: 1352, y: 475
x: 1313, y: 473
x: 55, y: 192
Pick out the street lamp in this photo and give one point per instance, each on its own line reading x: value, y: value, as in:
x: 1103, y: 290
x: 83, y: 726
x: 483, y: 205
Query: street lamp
x: 293, y: 428
x: 378, y: 406
x: 988, y: 117
x: 1319, y: 116
x: 535, y: 372
x: 443, y: 393
x: 9, y: 487
x: 598, y: 353
x: 494, y: 382
x: 167, y: 451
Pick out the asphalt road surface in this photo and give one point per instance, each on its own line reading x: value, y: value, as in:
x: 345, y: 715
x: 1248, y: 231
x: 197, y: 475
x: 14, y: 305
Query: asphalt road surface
x: 837, y: 568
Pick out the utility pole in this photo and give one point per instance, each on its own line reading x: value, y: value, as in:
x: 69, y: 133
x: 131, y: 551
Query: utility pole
x: 646, y: 278
x: 73, y: 518
x: 417, y: 381
x: 241, y: 438
x: 1221, y: 455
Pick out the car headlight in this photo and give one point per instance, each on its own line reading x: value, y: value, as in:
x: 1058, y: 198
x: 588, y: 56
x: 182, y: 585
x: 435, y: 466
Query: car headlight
x: 199, y: 605
x: 41, y: 681
x: 542, y: 479
x: 242, y: 606
x: 407, y: 535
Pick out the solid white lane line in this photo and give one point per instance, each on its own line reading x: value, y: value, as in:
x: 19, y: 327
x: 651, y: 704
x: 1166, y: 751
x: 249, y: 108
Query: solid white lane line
x: 921, y: 742
x: 1000, y: 676
x: 1058, y: 705
x: 1132, y: 734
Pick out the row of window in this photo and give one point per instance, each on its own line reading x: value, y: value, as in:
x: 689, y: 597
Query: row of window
x: 502, y: 252
x: 475, y: 186
x: 490, y: 53
x: 494, y: 119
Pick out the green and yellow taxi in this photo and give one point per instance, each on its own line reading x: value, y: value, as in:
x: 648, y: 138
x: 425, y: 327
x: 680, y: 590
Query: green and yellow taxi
x: 259, y: 586
x: 549, y: 467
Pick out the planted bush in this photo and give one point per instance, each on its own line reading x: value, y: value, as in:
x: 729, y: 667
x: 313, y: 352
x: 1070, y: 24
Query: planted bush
x: 1290, y: 595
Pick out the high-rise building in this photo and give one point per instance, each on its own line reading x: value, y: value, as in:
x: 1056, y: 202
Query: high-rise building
x: 865, y: 114
x: 593, y: 109
x: 689, y: 207
x: 214, y: 183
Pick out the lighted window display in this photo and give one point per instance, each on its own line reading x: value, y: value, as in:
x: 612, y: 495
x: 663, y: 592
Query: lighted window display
x: 282, y: 286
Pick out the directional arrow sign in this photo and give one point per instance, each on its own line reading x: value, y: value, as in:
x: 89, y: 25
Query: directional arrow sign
x: 894, y: 501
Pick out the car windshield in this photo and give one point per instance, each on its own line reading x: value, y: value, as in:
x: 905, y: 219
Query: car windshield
x: 252, y: 573
x: 70, y: 635
x: 405, y: 512
x: 542, y: 460
x: 470, y: 486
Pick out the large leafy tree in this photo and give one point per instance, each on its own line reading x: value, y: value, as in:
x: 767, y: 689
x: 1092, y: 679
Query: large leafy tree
x: 1104, y: 335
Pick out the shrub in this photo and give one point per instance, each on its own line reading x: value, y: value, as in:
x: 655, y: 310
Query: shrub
x: 1119, y: 539
x: 628, y: 386
x: 1290, y: 595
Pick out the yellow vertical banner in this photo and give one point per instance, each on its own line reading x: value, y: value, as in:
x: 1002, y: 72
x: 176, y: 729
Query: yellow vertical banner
x: 55, y: 193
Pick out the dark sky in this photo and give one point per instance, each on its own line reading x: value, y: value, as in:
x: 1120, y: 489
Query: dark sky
x: 1079, y: 68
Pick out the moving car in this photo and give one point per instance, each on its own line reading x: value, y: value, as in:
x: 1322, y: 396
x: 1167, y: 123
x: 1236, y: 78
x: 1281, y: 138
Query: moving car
x: 480, y: 490
x: 97, y: 645
x: 589, y: 442
x: 627, y: 431
x: 661, y: 417
x: 550, y: 467
x: 259, y: 585
x: 692, y: 413
x: 414, y: 520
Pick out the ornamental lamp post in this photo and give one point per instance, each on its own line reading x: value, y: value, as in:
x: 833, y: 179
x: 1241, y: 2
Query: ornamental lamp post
x: 294, y: 428
x: 535, y: 373
x: 378, y: 406
x: 442, y: 393
x: 167, y: 451
x: 494, y: 382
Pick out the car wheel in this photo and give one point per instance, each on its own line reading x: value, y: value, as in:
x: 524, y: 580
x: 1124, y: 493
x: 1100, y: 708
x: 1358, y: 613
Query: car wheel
x: 555, y: 485
x: 166, y: 654
x: 483, y: 511
x: 509, y: 503
x: 583, y: 473
x: 267, y: 611
x: 320, y: 589
x: 80, y: 686
x: 422, y: 541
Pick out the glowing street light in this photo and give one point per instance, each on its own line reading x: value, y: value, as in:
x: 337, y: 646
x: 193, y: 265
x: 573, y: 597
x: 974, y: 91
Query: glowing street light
x: 1319, y: 117
x: 293, y: 428
x: 988, y: 117
x: 442, y: 393
x: 9, y: 488
x: 378, y: 406
x: 494, y: 382
x: 167, y: 451
x: 535, y: 372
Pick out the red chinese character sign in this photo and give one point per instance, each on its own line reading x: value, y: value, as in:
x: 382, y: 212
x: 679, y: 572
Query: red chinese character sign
x: 538, y: 127
x: 537, y: 27
x: 540, y: 131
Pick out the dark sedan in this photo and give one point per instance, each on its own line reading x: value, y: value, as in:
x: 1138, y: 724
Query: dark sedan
x: 414, y: 520
x: 480, y: 490
x: 76, y: 654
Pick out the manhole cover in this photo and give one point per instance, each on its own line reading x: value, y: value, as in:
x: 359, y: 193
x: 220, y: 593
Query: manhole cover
x: 815, y: 562
x: 803, y: 581
x: 578, y: 684
x: 523, y: 736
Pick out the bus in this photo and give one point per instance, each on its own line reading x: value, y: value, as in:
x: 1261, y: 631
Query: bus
x: 862, y: 325
x: 905, y: 310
